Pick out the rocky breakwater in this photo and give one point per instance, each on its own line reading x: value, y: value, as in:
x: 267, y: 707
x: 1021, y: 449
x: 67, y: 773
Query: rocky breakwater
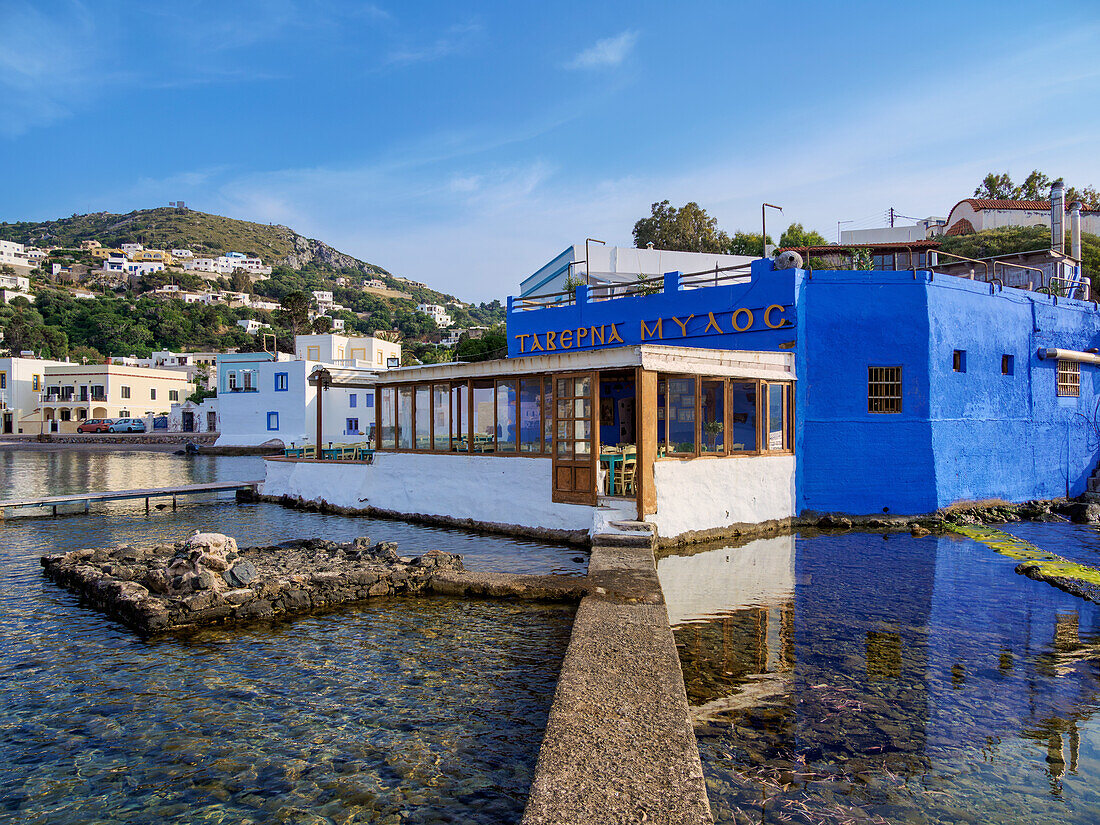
x: 207, y: 579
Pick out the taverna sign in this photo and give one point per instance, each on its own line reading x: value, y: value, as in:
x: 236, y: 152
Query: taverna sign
x: 674, y: 327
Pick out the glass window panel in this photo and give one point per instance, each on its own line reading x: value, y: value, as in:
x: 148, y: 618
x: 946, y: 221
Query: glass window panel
x: 712, y: 408
x: 582, y: 408
x: 582, y: 386
x: 565, y: 447
x: 564, y: 408
x: 777, y: 408
x: 404, y: 418
x: 460, y: 406
x: 582, y: 430
x: 563, y: 431
x: 547, y: 413
x: 484, y: 441
x: 530, y: 415
x: 389, y: 436
x: 423, y: 418
x: 506, y: 415
x: 681, y: 415
x: 582, y: 447
x: 743, y: 416
x: 563, y: 388
x: 441, y: 413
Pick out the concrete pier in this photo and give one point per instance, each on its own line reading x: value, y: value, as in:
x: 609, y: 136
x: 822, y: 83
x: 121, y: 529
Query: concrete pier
x: 619, y: 744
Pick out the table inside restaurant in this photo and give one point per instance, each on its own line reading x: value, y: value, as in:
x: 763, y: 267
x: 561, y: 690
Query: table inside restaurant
x: 612, y: 460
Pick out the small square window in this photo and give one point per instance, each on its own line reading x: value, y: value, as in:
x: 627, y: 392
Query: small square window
x: 884, y: 389
x: 958, y: 361
x: 1069, y: 378
x: 282, y: 382
x: 352, y: 427
x: 173, y: 395
x: 125, y: 392
x: 273, y: 421
x: 1008, y: 365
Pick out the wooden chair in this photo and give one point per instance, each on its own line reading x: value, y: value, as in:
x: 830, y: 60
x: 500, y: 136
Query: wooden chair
x: 309, y: 451
x: 624, y: 479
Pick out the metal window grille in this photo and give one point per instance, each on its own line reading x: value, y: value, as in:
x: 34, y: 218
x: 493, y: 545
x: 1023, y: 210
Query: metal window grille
x: 1069, y: 378
x: 884, y: 389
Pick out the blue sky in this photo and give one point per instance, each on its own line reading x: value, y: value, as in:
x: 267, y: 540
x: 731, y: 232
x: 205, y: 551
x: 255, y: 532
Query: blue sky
x: 466, y: 144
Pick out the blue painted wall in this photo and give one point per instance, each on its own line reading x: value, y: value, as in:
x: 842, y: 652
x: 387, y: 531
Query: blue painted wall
x: 961, y: 436
x: 620, y: 320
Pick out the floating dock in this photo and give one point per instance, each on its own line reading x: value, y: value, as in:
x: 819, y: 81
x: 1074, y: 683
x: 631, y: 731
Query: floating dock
x: 81, y: 502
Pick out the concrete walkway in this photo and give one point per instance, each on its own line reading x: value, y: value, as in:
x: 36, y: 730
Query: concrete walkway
x: 619, y: 744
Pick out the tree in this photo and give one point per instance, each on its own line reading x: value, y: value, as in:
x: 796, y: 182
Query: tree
x: 797, y: 236
x: 1036, y: 187
x: 240, y: 282
x: 747, y: 243
x: 295, y: 310
x: 322, y: 324
x: 687, y: 229
x: 996, y: 187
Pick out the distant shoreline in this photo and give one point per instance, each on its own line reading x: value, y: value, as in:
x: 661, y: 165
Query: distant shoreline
x: 91, y: 446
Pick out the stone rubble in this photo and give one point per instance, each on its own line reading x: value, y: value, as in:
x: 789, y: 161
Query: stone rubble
x: 207, y: 579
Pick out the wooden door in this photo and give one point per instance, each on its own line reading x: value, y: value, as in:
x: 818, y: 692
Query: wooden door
x: 574, y: 462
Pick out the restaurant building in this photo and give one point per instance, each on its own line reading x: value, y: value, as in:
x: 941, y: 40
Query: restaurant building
x: 712, y: 402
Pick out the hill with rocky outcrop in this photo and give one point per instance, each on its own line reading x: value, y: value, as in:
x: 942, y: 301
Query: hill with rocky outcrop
x: 202, y: 233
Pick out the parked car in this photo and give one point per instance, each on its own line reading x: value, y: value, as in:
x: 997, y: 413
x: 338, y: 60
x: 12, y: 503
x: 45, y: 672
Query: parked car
x: 127, y: 425
x: 94, y: 425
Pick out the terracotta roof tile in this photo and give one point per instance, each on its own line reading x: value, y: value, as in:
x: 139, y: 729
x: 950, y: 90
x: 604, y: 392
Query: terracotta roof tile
x: 960, y: 227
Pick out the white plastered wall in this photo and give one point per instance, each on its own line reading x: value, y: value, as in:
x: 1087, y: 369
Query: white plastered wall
x: 708, y: 494
x: 490, y: 489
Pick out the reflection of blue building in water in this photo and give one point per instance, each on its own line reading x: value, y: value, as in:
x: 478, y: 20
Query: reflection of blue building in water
x: 914, y: 390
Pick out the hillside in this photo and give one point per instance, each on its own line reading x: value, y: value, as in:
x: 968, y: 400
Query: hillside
x: 128, y: 319
x: 202, y: 233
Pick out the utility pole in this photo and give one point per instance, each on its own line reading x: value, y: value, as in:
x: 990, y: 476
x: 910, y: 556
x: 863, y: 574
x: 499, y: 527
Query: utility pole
x: 892, y: 214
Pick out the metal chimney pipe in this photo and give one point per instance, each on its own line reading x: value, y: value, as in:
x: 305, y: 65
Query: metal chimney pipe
x: 1075, y: 229
x: 1058, y: 217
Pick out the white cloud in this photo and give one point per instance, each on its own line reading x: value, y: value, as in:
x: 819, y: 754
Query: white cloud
x: 611, y: 51
x: 455, y: 40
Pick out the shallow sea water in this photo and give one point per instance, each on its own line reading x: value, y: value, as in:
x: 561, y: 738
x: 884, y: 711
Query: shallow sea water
x: 397, y: 710
x: 861, y: 678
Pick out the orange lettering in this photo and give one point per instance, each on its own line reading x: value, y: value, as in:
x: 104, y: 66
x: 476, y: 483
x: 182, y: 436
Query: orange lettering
x: 683, y: 324
x: 615, y: 335
x: 521, y: 339
x: 596, y: 333
x: 736, y: 326
x: 566, y: 338
x: 768, y: 317
x: 712, y: 323
x: 550, y: 336
x: 536, y: 346
x: 582, y: 333
x: 657, y: 330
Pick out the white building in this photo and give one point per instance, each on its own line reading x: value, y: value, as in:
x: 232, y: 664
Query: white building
x: 325, y: 302
x: 15, y: 286
x: 250, y: 325
x: 374, y: 283
x: 21, y: 381
x: 975, y: 214
x: 613, y: 265
x: 264, y: 304
x: 182, y: 254
x: 265, y: 397
x: 83, y: 294
x: 120, y: 263
x: 189, y: 417
x: 438, y: 314
x: 920, y: 231
x: 350, y: 351
x: 15, y: 255
x: 128, y: 248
